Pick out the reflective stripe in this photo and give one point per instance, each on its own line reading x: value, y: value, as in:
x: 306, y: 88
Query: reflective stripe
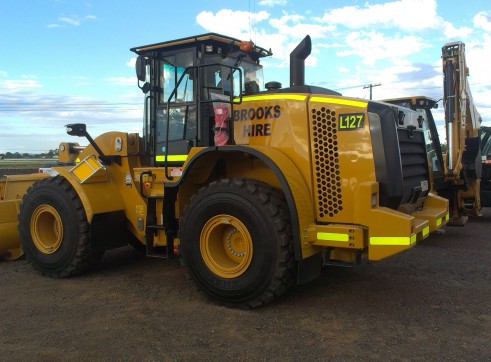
x: 392, y: 240
x: 171, y: 158
x: 332, y: 236
x: 438, y: 222
x: 447, y: 216
x: 413, y: 238
x: 346, y: 102
x: 294, y: 97
x: 426, y: 231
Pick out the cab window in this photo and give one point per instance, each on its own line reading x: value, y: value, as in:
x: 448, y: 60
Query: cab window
x: 173, y: 67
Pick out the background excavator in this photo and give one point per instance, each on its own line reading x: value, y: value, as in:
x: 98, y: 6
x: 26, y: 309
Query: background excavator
x: 486, y: 166
x: 456, y: 173
x: 256, y: 186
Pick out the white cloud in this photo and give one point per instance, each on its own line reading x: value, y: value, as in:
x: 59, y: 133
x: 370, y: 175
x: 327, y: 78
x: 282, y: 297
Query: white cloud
x: 72, y: 21
x: 19, y: 84
x: 478, y: 53
x: 131, y: 63
x: 482, y: 20
x: 233, y: 23
x: 296, y: 27
x: 288, y: 30
x: 272, y: 2
x: 373, y: 46
x: 404, y: 14
x: 451, y: 31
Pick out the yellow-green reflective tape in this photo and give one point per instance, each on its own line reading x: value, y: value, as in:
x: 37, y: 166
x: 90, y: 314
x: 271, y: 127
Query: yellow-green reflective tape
x: 447, y: 216
x: 346, y: 102
x: 413, y: 238
x: 392, y: 240
x: 332, y: 236
x: 294, y: 97
x: 172, y: 158
x: 426, y: 231
x: 438, y: 222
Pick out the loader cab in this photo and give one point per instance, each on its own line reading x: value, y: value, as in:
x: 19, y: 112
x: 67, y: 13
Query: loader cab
x: 191, y: 86
x: 423, y: 105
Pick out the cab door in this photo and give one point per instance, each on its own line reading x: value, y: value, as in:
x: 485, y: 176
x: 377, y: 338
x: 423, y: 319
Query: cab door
x: 176, y: 108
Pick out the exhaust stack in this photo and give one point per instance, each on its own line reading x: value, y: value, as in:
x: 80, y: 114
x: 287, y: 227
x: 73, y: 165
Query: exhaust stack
x: 297, y: 62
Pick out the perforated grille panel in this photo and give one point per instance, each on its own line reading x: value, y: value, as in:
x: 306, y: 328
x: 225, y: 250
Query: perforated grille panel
x: 326, y: 159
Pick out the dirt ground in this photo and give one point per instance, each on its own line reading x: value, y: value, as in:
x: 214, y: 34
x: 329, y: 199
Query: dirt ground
x: 429, y: 303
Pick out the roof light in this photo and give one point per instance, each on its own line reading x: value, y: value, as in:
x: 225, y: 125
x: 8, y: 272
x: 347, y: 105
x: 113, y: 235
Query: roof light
x: 246, y: 46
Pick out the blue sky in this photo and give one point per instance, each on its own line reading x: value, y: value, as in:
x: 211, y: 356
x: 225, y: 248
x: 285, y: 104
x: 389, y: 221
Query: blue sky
x: 66, y: 61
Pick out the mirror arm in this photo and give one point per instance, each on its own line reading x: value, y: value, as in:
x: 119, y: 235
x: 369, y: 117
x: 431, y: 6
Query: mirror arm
x: 79, y: 129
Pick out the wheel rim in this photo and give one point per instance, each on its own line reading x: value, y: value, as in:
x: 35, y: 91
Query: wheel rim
x: 226, y: 246
x: 46, y: 229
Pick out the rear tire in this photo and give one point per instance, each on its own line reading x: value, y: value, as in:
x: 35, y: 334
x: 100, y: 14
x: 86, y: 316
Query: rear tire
x: 54, y: 230
x: 236, y: 242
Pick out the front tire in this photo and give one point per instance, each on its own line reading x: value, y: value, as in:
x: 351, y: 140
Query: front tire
x: 54, y: 230
x: 236, y: 242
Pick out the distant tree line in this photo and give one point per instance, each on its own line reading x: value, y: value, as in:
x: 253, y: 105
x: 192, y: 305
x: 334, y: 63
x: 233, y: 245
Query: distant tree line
x: 10, y: 155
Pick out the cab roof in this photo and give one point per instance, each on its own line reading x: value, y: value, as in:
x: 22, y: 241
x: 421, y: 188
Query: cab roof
x: 218, y: 40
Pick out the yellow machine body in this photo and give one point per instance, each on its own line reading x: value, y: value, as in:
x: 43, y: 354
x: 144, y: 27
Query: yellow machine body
x: 349, y: 175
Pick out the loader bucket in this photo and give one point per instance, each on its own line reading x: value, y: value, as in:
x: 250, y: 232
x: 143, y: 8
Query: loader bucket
x: 12, y: 188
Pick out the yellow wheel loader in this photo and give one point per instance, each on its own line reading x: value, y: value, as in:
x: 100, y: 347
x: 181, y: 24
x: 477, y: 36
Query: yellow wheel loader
x: 256, y: 186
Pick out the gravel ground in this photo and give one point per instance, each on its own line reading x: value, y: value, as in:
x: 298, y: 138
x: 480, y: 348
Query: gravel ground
x: 429, y: 303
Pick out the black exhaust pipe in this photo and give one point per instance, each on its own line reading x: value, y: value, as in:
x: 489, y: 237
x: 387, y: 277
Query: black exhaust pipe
x: 297, y: 62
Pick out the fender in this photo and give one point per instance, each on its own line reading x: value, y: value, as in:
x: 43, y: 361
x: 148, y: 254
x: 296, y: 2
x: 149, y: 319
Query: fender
x: 295, y: 189
x: 104, y: 209
x: 97, y: 198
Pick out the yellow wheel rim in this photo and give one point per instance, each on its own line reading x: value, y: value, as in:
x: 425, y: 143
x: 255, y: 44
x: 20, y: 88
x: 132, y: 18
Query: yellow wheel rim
x: 46, y: 229
x: 226, y: 246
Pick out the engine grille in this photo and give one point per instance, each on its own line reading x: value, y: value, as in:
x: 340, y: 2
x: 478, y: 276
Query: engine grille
x: 326, y: 159
x: 414, y: 164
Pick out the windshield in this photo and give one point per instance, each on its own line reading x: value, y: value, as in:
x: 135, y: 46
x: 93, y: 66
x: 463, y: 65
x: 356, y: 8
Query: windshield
x: 252, y: 72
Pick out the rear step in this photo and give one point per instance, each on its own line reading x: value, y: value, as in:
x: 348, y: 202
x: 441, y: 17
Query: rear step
x: 328, y: 262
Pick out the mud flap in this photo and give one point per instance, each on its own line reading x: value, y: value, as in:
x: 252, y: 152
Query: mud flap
x: 108, y: 230
x: 309, y: 268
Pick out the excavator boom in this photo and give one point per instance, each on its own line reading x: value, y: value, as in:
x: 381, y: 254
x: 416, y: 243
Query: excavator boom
x: 462, y: 120
x: 463, y: 165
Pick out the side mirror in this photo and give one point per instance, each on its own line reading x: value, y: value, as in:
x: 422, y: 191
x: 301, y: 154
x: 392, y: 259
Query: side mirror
x: 141, y: 68
x: 141, y: 73
x: 76, y: 129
